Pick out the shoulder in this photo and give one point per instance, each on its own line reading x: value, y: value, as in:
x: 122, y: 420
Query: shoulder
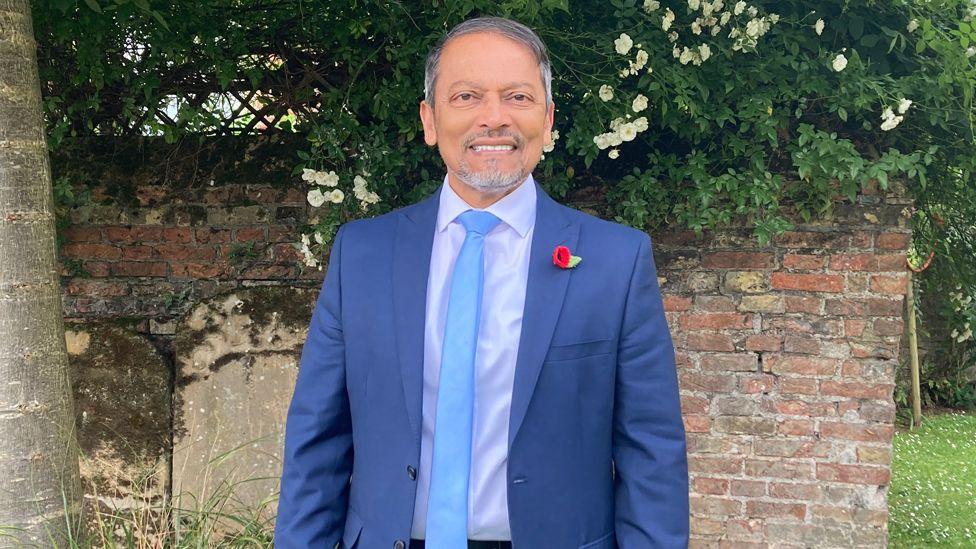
x: 606, y: 231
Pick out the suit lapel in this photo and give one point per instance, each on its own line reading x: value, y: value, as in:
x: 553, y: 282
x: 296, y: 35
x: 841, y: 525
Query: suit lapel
x: 411, y: 266
x: 544, y: 293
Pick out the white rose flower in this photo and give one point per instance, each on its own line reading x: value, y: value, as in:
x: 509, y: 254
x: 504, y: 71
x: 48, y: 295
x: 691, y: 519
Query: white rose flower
x: 715, y: 30
x: 694, y: 4
x: 903, y: 105
x: 614, y: 154
x: 549, y: 147
x: 752, y: 11
x: 641, y: 59
x: 329, y: 179
x: 970, y: 51
x: 308, y: 175
x: 773, y: 18
x: 606, y: 92
x: 359, y: 182
x: 705, y: 52
x: 372, y: 198
x: 696, y: 27
x: 672, y: 36
x: 675, y: 51
x: 725, y: 18
x: 754, y: 27
x: 890, y: 123
x: 667, y: 19
x: 614, y: 138
x: 640, y: 124
x: 651, y: 5
x: 623, y: 44
x: 818, y: 27
x: 739, y: 7
x: 318, y: 237
x: 336, y: 196
x: 717, y: 5
x: 707, y: 8
x: 686, y: 56
x: 305, y: 240
x: 640, y: 103
x: 315, y: 198
x: 616, y: 123
x: 554, y: 135
x: 627, y: 132
x: 839, y: 62
x: 912, y: 25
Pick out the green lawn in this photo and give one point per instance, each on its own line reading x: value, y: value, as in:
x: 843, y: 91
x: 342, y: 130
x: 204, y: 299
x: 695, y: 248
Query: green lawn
x: 933, y: 485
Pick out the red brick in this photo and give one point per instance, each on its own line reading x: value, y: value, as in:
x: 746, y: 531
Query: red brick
x: 760, y: 383
x: 763, y: 343
x: 750, y: 488
x: 286, y: 253
x: 792, y: 490
x: 857, y: 389
x: 198, y: 270
x: 282, y: 234
x: 729, y: 362
x: 714, y: 303
x: 145, y: 233
x: 808, y: 366
x: 83, y: 286
x: 137, y: 252
x: 884, y: 307
x: 854, y: 431
x: 892, y: 262
x: 140, y: 268
x: 862, y: 239
x: 709, y: 341
x: 888, y: 327
x: 267, y: 272
x: 82, y: 234
x: 802, y: 304
x: 767, y: 509
x: 714, y: 506
x: 854, y: 328
x: 779, y: 468
x: 805, y: 239
x: 211, y: 235
x: 671, y: 302
x: 802, y: 408
x: 118, y: 234
x: 725, y: 465
x: 742, y: 529
x: 150, y: 195
x: 715, y: 321
x: 706, y: 485
x: 738, y: 260
x: 889, y: 284
x: 853, y: 262
x: 697, y: 423
x: 179, y: 252
x: 796, y: 427
x: 894, y: 241
x: 180, y: 235
x: 804, y: 261
x: 798, y: 386
x: 853, y: 474
x: 801, y: 345
x: 96, y: 268
x: 693, y: 405
x: 691, y: 381
x: 808, y: 282
x: 250, y: 234
x: 84, y: 250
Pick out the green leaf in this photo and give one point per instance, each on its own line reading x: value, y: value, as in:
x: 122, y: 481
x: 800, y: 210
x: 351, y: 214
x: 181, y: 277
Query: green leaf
x: 842, y: 113
x: 574, y: 260
x: 93, y: 4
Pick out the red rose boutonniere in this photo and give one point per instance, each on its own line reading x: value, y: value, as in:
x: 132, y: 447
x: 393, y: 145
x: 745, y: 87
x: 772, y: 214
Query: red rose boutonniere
x: 562, y: 258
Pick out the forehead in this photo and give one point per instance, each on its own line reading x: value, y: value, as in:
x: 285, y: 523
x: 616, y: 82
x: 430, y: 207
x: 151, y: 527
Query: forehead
x: 487, y: 57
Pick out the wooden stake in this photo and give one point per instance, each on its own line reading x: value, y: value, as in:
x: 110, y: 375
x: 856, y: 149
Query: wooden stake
x: 913, y: 348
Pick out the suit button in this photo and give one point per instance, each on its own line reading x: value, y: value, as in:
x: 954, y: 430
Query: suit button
x: 411, y: 472
x: 398, y: 544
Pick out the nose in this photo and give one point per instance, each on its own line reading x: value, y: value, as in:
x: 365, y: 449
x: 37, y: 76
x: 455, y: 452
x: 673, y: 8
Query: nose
x: 493, y: 114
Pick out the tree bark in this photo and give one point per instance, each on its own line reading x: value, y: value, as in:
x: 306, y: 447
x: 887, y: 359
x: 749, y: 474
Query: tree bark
x: 40, y: 490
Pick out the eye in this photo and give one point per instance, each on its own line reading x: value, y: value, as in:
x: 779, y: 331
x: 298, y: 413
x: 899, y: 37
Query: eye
x: 464, y: 96
x: 521, y: 97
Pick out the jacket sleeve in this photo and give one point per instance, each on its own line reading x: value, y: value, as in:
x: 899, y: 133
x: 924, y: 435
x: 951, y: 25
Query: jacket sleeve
x: 649, y: 451
x: 318, y: 434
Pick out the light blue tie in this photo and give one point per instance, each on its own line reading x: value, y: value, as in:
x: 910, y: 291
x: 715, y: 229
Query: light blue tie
x: 447, y: 503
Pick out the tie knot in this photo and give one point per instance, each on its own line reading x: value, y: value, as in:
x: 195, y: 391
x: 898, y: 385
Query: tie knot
x: 480, y: 222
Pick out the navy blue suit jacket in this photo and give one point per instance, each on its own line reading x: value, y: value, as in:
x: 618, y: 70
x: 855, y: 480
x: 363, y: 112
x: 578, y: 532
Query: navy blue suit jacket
x: 597, y: 455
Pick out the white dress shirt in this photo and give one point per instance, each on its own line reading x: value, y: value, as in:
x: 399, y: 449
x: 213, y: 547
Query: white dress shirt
x: 507, y: 249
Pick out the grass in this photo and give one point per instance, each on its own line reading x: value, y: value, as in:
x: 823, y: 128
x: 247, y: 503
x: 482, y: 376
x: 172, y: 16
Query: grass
x: 932, y: 499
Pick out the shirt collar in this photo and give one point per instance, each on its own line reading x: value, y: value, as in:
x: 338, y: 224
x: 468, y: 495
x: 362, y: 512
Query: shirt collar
x: 516, y: 209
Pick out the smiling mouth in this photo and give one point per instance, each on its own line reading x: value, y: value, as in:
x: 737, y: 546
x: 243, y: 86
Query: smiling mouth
x: 493, y: 148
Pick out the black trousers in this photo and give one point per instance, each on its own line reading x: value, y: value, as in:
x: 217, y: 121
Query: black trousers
x: 472, y: 544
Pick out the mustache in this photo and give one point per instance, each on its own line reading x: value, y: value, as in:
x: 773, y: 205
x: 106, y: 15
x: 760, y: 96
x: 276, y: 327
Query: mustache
x: 494, y: 134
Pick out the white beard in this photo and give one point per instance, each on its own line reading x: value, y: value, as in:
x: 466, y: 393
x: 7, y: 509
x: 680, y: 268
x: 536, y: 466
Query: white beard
x: 491, y: 181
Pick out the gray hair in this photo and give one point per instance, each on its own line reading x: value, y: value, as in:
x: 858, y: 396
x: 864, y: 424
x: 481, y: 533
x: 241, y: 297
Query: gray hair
x: 497, y: 25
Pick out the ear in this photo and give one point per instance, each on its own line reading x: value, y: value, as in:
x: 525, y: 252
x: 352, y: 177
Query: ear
x: 550, y: 117
x: 427, y: 117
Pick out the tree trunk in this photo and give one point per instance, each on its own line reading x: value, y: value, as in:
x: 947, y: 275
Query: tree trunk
x: 40, y: 490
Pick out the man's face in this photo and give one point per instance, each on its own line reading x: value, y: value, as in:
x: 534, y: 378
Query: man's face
x: 490, y: 119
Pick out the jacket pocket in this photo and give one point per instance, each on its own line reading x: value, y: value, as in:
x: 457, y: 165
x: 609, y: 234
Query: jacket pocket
x: 354, y: 525
x: 582, y: 349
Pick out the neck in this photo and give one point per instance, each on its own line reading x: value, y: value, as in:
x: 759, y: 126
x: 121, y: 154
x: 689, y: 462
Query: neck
x: 475, y: 198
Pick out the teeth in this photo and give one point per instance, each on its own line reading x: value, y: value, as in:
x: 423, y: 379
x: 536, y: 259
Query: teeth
x: 493, y: 147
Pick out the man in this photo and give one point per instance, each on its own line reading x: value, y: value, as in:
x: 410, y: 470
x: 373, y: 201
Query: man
x: 464, y: 382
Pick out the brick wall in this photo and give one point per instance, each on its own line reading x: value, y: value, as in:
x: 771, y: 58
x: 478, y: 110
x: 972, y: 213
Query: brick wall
x: 786, y: 352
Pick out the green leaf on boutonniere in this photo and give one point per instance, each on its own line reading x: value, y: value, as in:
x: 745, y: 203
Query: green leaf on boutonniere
x: 574, y: 260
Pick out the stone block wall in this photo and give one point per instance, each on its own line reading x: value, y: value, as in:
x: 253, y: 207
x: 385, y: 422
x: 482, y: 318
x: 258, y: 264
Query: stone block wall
x: 786, y: 351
